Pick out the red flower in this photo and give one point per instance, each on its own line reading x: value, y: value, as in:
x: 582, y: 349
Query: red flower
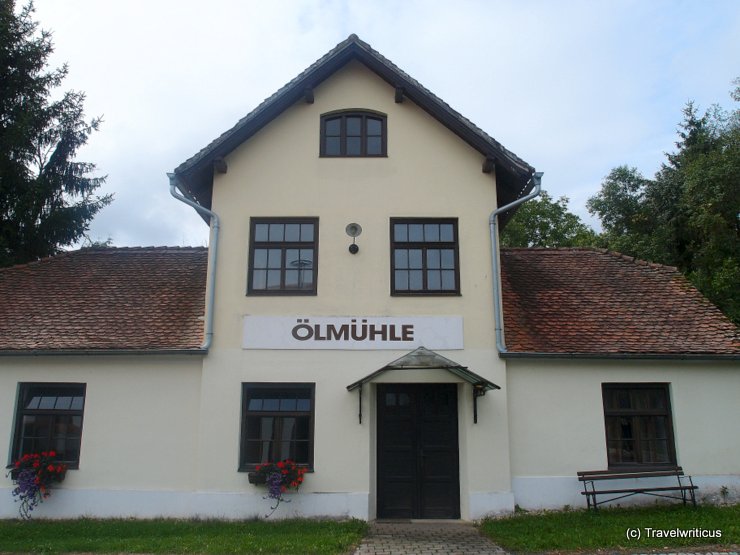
x: 50, y: 468
x: 281, y: 465
x: 44, y: 454
x: 17, y: 464
x: 36, y: 464
x: 52, y: 453
x: 60, y: 468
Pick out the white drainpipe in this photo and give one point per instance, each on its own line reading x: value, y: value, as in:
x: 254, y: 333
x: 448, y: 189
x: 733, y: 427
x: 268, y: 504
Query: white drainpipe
x: 495, y: 270
x: 212, y: 257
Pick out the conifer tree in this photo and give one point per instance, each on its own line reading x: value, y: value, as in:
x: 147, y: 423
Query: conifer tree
x: 46, y: 197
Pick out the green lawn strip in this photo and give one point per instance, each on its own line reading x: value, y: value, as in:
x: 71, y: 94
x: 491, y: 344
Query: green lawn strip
x: 180, y: 536
x: 607, y: 528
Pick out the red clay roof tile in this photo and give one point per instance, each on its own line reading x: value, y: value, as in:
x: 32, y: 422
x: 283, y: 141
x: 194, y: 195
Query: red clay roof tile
x: 597, y: 302
x: 147, y: 298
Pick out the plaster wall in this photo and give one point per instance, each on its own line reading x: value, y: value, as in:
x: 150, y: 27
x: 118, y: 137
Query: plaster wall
x: 429, y: 172
x: 556, y: 420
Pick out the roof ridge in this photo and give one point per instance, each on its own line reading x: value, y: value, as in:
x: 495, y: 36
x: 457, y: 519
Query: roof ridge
x: 94, y: 249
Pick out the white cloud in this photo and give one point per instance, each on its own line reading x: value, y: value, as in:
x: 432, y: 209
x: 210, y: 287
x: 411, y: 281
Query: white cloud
x: 575, y: 88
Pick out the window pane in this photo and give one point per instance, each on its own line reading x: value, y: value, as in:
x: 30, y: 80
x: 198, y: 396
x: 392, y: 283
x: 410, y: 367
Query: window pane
x: 277, y: 232
x: 373, y: 126
x: 63, y: 403
x: 446, y: 232
x: 415, y: 258
x: 288, y: 404
x: 255, y: 404
x: 433, y: 259
x: 431, y: 232
x: 47, y: 402
x: 401, y: 280
x: 260, y: 258
x: 303, y: 404
x: 401, y: 259
x: 354, y: 146
x: 292, y: 232
x: 434, y: 280
x: 273, y: 279
x: 415, y: 280
x: 448, y: 280
x: 400, y: 232
x: 274, y: 258
x: 307, y: 232
x: 354, y: 127
x: 77, y: 403
x: 34, y: 402
x: 292, y: 258
x: 259, y: 279
x: 374, y: 146
x: 416, y: 232
x: 271, y: 404
x: 291, y: 278
x: 306, y: 258
x: 261, y: 232
x: 332, y: 126
x: 448, y: 259
x: 333, y: 146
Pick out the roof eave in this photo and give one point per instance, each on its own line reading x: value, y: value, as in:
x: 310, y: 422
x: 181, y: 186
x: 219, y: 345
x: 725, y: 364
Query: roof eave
x: 622, y: 356
x: 97, y: 352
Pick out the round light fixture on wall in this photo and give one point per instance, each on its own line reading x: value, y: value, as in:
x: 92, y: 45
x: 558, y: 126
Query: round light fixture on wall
x: 353, y: 230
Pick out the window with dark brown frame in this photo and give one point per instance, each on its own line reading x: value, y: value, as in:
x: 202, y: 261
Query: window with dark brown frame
x: 639, y: 427
x: 283, y: 256
x: 353, y: 133
x: 49, y: 418
x: 277, y: 423
x: 424, y: 256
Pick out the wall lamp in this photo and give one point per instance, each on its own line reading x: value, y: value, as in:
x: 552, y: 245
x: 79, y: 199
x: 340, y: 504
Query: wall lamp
x: 353, y: 230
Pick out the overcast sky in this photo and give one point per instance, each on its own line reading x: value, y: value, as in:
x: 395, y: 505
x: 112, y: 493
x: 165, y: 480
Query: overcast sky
x: 575, y: 88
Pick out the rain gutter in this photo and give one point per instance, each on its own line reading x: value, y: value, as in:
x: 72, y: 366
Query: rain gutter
x: 495, y: 260
x: 625, y: 356
x: 212, y: 256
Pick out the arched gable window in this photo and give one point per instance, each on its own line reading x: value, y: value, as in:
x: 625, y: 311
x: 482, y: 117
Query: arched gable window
x: 352, y: 133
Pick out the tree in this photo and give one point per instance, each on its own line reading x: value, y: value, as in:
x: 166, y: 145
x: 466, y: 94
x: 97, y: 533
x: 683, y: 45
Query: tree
x: 543, y: 222
x: 46, y: 197
x: 688, y: 216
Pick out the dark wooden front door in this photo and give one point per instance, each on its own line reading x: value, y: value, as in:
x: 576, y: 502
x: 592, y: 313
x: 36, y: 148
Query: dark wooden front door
x: 418, y: 469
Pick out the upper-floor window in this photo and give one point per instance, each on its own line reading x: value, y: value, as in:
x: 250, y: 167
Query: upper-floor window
x: 639, y: 429
x: 282, y: 256
x: 424, y: 256
x: 49, y: 418
x: 353, y: 133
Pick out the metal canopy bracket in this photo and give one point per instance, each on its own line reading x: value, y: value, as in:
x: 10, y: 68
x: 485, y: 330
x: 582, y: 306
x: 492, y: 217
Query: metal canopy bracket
x: 424, y: 359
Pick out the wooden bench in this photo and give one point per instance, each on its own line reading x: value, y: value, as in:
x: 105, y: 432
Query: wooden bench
x: 682, y: 490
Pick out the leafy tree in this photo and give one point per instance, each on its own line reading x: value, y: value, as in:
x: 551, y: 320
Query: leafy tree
x: 544, y: 222
x: 688, y: 216
x: 46, y: 197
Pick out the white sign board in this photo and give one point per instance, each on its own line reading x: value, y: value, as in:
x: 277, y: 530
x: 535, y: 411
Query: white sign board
x: 352, y: 332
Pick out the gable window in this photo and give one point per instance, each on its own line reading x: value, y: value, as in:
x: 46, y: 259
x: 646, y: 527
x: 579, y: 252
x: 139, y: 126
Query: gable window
x: 282, y: 256
x: 49, y: 418
x: 639, y: 428
x: 277, y: 423
x: 424, y: 257
x: 353, y: 133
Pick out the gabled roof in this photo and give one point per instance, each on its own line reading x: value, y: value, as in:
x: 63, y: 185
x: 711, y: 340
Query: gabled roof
x: 595, y: 302
x: 103, y: 300
x: 196, y: 173
x: 422, y: 358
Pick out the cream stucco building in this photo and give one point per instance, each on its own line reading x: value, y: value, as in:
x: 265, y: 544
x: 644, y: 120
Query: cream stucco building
x: 345, y: 316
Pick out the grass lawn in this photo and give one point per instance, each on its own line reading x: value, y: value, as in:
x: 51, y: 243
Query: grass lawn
x: 610, y: 528
x: 179, y: 536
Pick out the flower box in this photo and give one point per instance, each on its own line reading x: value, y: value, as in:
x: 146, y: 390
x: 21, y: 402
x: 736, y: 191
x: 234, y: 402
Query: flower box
x: 257, y: 478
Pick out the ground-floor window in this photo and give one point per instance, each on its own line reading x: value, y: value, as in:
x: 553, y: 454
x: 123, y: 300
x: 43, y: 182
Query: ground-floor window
x: 277, y: 423
x: 49, y: 418
x: 639, y: 427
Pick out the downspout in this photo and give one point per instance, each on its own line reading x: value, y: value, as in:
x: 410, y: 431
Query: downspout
x: 495, y: 270
x: 212, y: 257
